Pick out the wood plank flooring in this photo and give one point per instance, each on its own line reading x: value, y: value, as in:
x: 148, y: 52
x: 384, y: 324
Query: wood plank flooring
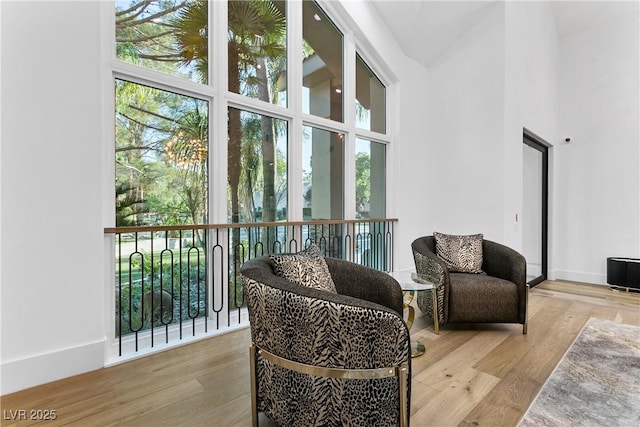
x: 474, y: 375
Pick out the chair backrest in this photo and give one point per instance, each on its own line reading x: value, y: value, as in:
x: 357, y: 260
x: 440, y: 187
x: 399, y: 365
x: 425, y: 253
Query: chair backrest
x: 428, y: 242
x: 320, y: 330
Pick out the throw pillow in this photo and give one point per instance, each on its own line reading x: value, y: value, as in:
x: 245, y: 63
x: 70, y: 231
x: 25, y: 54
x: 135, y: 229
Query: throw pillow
x: 307, y: 268
x: 460, y: 253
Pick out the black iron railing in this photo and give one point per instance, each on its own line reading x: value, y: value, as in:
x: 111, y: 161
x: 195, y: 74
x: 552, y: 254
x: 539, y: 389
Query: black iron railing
x: 176, y: 280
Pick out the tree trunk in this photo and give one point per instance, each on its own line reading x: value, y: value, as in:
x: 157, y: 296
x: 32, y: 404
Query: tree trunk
x: 268, y: 148
x: 235, y: 142
x: 269, y: 206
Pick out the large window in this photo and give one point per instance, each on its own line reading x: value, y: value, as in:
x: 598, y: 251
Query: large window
x: 162, y: 137
x: 254, y: 111
x: 175, y: 163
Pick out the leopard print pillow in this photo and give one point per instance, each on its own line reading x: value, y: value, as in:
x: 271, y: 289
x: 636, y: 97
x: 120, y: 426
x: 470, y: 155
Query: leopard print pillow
x: 460, y: 253
x: 307, y: 268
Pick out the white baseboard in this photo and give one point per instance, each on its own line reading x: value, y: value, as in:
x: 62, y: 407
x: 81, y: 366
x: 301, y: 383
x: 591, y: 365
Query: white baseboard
x: 44, y: 368
x: 579, y: 276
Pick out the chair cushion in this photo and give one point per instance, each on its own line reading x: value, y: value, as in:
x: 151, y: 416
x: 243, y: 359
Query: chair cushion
x: 460, y: 253
x: 307, y: 268
x: 482, y: 298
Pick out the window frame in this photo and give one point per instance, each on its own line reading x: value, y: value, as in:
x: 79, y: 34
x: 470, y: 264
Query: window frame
x: 216, y: 93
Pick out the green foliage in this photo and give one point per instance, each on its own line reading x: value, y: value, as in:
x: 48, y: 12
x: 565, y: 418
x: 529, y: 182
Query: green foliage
x: 162, y: 137
x: 157, y: 33
x: 128, y: 205
x: 162, y: 150
x: 191, y: 33
x: 257, y: 59
x: 185, y: 281
x: 363, y: 179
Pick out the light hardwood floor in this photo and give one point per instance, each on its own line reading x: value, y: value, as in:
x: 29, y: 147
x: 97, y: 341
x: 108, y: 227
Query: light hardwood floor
x: 478, y: 375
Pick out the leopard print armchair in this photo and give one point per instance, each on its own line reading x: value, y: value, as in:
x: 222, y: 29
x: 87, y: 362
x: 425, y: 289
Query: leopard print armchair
x: 498, y: 295
x: 320, y: 358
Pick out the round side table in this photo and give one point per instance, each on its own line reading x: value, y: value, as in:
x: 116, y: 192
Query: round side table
x: 411, y: 283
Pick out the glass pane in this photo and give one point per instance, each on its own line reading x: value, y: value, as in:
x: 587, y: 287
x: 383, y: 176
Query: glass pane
x: 321, y: 64
x: 322, y: 174
x: 370, y: 99
x: 164, y: 35
x: 370, y: 179
x: 257, y: 167
x: 161, y: 157
x: 257, y: 42
x: 532, y: 210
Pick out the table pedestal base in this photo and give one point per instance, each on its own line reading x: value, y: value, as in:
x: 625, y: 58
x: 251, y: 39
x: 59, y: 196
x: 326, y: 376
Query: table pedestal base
x: 417, y: 348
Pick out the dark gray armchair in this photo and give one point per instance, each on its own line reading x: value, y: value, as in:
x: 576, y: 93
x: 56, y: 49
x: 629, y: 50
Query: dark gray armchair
x: 324, y: 358
x: 499, y: 296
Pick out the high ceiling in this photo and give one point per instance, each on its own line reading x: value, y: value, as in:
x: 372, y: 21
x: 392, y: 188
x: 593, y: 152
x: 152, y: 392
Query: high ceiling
x: 425, y: 29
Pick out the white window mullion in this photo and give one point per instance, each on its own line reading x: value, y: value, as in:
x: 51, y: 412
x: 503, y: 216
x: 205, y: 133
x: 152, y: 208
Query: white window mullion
x: 348, y: 102
x: 323, y: 123
x: 146, y: 77
x: 254, y: 105
x: 218, y: 147
x: 393, y: 119
x: 294, y: 103
x: 218, y: 114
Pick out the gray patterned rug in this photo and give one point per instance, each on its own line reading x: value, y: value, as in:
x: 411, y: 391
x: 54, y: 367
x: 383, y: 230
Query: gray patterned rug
x: 596, y: 383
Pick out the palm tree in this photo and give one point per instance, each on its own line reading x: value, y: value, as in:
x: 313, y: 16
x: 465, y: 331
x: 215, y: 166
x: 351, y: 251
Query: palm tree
x: 255, y: 36
x: 191, y: 35
x: 144, y: 34
x: 129, y: 205
x: 165, y: 35
x: 256, y: 32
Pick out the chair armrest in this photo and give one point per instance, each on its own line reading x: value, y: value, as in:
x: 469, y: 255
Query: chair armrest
x: 365, y: 283
x: 504, y: 262
x: 429, y: 266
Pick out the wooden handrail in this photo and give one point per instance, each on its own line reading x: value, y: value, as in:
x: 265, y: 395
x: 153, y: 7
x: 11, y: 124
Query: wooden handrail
x: 145, y: 229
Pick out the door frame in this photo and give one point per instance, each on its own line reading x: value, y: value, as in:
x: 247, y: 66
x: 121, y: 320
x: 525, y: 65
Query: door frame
x: 537, y: 143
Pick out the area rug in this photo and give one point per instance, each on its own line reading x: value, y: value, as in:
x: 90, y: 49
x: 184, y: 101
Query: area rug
x: 596, y: 383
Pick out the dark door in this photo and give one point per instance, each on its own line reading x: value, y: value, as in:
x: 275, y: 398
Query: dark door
x: 534, y: 215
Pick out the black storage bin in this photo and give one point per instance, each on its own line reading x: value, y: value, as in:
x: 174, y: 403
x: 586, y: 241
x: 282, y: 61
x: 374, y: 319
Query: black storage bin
x: 623, y: 272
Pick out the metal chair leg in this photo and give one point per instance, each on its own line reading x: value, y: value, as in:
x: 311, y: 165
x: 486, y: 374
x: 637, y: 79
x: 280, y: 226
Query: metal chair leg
x: 254, y: 385
x: 526, y: 311
x: 402, y: 379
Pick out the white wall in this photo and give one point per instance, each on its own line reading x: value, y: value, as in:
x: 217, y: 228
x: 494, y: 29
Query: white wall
x: 498, y: 79
x: 531, y: 102
x: 598, y: 173
x: 464, y: 133
x: 51, y: 173
x: 510, y: 71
